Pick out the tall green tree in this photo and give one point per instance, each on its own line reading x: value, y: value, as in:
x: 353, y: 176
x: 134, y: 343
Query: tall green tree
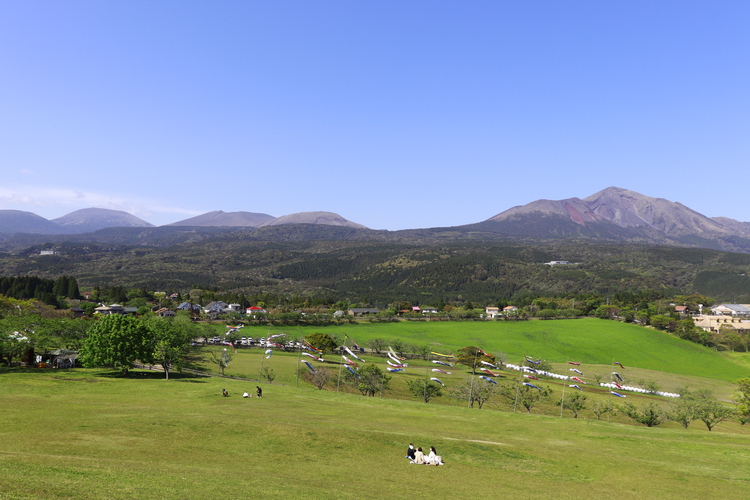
x: 118, y: 341
x: 742, y: 399
x: 322, y: 341
x: 424, y: 389
x: 472, y: 357
x: 370, y: 380
x: 170, y: 341
x: 575, y: 402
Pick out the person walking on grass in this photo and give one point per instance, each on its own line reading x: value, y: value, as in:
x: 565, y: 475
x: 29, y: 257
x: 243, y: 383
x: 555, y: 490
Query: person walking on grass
x: 259, y: 391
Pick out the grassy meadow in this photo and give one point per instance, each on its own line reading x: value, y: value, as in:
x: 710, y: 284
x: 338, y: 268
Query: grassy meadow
x: 89, y: 433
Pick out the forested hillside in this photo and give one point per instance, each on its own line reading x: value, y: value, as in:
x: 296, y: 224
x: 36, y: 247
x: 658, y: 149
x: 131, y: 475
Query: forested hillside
x: 380, y: 270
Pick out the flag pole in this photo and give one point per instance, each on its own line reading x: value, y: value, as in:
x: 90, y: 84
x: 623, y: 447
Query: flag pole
x: 473, y: 372
x: 609, y: 396
x: 562, y: 401
x: 518, y: 386
x: 299, y: 358
x: 338, y: 382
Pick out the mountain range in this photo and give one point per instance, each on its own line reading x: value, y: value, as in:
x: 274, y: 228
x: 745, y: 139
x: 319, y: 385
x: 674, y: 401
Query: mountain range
x: 613, y: 214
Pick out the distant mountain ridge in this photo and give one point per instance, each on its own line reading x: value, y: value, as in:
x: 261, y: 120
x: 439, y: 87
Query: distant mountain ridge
x: 88, y: 220
x: 620, y: 215
x: 612, y: 215
x: 218, y: 218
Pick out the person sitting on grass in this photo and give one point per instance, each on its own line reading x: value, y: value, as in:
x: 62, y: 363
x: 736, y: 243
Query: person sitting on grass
x: 410, y: 452
x: 224, y: 393
x: 419, y: 456
x: 433, y: 458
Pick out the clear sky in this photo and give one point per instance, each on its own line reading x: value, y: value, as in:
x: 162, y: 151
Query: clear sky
x: 393, y: 114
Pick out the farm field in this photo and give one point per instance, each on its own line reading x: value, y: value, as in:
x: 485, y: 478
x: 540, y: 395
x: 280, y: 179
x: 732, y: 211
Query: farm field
x: 91, y: 434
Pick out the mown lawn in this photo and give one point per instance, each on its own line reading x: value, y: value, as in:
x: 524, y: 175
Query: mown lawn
x: 91, y: 434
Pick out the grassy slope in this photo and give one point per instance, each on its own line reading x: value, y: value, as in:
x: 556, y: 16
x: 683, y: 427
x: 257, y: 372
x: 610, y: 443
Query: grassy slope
x: 84, y: 434
x: 591, y: 341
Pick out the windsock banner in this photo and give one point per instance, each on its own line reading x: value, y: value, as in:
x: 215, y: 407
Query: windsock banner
x: 353, y: 355
x: 309, y: 366
x: 488, y: 379
x: 269, y: 353
x: 438, y: 381
x: 442, y: 355
x: 441, y: 371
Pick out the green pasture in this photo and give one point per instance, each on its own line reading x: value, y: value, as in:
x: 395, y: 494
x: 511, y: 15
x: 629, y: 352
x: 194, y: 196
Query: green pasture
x: 89, y: 434
x: 590, y: 341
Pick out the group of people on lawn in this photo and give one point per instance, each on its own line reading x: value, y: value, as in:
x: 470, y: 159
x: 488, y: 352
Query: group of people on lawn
x: 417, y: 456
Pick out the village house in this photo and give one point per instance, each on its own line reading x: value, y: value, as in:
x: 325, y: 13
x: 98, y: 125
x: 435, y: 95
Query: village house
x: 492, y: 312
x: 731, y: 310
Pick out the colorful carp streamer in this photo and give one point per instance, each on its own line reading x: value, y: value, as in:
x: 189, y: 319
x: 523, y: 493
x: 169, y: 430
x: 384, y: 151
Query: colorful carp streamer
x: 531, y: 385
x: 276, y: 336
x: 578, y: 380
x: 488, y: 379
x: 353, y: 372
x: 575, y: 386
x: 354, y: 355
x: 531, y: 377
x: 618, y: 385
x: 619, y: 364
x: 438, y: 362
x: 392, y: 354
x: 350, y: 362
x: 438, y: 381
x: 309, y: 346
x: 309, y: 366
x: 579, y: 372
x: 532, y: 370
x: 483, y: 353
x: 532, y: 361
x: 574, y: 363
x: 618, y: 376
x: 442, y: 355
x: 395, y: 358
x: 488, y: 372
x: 269, y: 353
x: 313, y: 357
x: 230, y: 345
x: 489, y: 364
x: 396, y: 370
x: 617, y: 394
x: 441, y: 371
x: 396, y: 365
x: 353, y: 342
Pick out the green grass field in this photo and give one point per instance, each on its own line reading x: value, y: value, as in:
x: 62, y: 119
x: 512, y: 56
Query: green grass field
x: 590, y: 340
x: 86, y: 434
x: 93, y: 434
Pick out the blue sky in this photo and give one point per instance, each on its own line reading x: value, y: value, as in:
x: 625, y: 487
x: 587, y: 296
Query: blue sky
x: 392, y: 114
